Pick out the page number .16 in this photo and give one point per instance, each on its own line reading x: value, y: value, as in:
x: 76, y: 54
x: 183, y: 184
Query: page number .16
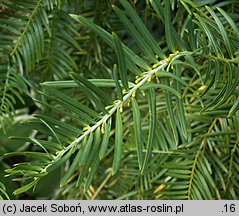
x: 229, y: 208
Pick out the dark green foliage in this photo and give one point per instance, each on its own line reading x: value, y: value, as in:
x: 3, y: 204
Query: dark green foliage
x: 121, y: 99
